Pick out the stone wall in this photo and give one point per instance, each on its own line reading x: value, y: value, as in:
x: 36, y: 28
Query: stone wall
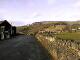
x: 61, y: 49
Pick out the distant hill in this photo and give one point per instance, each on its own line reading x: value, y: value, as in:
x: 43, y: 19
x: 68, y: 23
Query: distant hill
x: 38, y: 26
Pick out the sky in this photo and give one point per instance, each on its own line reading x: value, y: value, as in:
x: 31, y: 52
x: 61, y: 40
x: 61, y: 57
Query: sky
x: 23, y: 12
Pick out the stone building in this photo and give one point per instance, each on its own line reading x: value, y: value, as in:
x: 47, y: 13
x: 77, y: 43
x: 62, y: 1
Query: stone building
x: 6, y: 30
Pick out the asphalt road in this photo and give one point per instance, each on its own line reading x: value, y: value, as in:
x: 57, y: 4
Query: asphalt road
x: 22, y: 48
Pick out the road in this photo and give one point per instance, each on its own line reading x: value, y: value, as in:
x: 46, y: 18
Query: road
x: 22, y: 48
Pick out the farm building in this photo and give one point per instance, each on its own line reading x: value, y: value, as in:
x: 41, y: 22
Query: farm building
x: 6, y: 30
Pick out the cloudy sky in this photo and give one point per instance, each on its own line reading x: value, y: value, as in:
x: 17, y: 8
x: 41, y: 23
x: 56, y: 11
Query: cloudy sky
x: 22, y: 12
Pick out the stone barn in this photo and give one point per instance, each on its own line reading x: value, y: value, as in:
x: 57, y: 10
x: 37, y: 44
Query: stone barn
x: 6, y: 30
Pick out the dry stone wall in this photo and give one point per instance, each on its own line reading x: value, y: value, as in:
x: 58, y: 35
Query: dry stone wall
x: 61, y: 49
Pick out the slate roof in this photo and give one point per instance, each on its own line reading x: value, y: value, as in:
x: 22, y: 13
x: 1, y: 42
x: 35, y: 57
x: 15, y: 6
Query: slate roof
x: 5, y: 21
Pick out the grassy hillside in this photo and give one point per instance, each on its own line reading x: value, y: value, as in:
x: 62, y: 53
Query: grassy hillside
x: 33, y: 28
x: 45, y: 25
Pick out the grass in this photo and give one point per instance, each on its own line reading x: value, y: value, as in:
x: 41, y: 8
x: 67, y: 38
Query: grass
x: 69, y: 36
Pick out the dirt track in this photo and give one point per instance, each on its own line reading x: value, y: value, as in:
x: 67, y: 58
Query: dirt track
x: 22, y: 48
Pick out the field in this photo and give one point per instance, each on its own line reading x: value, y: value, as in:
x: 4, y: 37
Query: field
x: 64, y: 35
x: 69, y: 36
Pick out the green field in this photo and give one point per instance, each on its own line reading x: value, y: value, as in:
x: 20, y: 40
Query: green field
x: 69, y: 36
